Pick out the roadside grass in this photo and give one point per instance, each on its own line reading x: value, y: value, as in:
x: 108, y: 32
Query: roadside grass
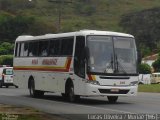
x: 153, y: 88
x: 19, y: 117
x: 8, y: 112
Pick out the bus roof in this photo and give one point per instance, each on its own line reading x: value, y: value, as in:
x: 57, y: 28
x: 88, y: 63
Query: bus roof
x: 81, y: 32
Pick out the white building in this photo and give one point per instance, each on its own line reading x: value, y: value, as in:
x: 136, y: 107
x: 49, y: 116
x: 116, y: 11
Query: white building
x: 150, y: 59
x: 146, y: 78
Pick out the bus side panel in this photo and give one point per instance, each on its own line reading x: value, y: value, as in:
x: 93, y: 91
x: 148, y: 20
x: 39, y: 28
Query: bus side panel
x: 19, y: 79
x: 61, y: 81
x: 49, y: 81
x: 37, y: 76
x: 78, y: 85
x: 62, y: 77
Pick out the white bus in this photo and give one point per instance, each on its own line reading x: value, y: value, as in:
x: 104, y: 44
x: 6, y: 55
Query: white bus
x: 82, y: 63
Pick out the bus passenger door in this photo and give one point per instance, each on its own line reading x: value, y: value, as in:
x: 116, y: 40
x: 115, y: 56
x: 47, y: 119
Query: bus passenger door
x: 79, y: 64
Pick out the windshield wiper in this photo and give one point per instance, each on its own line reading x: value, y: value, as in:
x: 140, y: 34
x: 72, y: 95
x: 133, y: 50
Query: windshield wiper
x: 110, y: 66
x: 119, y: 66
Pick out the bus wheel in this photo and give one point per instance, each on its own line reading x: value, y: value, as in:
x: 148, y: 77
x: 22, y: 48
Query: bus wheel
x: 71, y: 95
x: 1, y: 84
x: 112, y: 99
x: 33, y: 92
x: 32, y: 88
x: 64, y: 95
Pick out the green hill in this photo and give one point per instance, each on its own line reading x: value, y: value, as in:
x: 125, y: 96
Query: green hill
x: 36, y: 17
x: 79, y: 14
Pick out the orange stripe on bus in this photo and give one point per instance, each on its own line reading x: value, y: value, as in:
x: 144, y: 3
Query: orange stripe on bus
x: 64, y: 68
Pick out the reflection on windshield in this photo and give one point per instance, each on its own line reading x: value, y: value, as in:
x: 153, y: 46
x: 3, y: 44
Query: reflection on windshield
x: 125, y: 54
x: 111, y: 54
x: 101, y: 53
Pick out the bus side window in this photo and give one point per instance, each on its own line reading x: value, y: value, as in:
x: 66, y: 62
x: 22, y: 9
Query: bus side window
x: 67, y: 46
x: 54, y: 47
x: 33, y: 48
x: 43, y: 48
x: 79, y: 62
x: 25, y: 52
x: 24, y: 49
x: 17, y: 49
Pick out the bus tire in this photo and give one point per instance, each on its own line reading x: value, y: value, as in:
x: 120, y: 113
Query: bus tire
x: 71, y: 96
x: 1, y: 84
x: 39, y: 93
x: 34, y: 93
x: 64, y: 95
x: 31, y: 88
x: 112, y: 99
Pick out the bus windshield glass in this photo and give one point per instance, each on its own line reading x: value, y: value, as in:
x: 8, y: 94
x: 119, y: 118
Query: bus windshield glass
x: 109, y: 54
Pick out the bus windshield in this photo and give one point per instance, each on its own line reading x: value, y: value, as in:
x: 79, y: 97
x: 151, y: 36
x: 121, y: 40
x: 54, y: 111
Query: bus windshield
x: 109, y: 54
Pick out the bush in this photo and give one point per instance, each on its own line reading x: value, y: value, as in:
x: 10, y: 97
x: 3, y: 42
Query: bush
x: 156, y: 64
x: 144, y: 68
x: 6, y: 48
x: 6, y: 60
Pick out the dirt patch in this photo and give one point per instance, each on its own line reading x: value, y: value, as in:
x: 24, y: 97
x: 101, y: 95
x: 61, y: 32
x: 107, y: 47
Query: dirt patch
x: 7, y: 109
x: 24, y: 113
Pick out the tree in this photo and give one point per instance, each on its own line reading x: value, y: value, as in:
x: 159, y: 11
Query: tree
x: 4, y: 4
x: 12, y: 26
x: 6, y: 60
x: 144, y: 68
x: 156, y: 64
x: 145, y: 50
x: 6, y: 48
x: 144, y: 25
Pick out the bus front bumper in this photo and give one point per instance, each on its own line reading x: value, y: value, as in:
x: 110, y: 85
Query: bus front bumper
x: 97, y: 90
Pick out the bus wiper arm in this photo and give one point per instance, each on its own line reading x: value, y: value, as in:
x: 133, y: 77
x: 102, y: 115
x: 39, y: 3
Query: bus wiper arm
x: 119, y: 65
x: 110, y: 66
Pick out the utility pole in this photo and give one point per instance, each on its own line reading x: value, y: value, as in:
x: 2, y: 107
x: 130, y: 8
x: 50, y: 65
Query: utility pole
x: 60, y: 3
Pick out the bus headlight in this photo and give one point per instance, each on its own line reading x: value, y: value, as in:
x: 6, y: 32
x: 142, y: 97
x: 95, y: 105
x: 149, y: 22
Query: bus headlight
x: 134, y: 83
x: 94, y: 82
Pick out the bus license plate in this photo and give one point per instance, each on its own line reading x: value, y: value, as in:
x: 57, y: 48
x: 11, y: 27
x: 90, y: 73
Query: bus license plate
x: 114, y: 90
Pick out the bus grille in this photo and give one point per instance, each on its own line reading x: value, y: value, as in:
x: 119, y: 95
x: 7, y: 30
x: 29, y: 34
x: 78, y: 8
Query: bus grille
x: 108, y: 91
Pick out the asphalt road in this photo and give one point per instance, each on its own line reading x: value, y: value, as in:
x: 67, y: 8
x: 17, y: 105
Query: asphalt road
x: 148, y: 103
